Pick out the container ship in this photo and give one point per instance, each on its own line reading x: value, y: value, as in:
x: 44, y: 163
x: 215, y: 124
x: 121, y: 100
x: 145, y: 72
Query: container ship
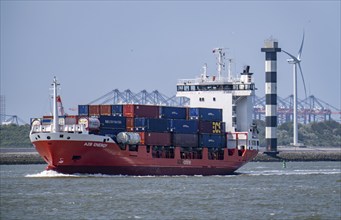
x: 213, y: 135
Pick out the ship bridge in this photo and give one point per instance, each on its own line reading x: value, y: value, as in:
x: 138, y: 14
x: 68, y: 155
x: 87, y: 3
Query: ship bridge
x: 237, y: 85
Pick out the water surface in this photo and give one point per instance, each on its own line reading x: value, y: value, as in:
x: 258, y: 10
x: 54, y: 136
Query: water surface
x: 302, y: 190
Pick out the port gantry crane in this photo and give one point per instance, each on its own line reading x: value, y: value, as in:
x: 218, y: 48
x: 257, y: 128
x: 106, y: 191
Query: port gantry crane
x: 311, y: 109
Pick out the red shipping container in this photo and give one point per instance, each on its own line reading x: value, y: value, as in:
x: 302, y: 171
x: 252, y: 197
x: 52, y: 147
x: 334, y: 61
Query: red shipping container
x: 154, y: 138
x: 94, y: 110
x: 146, y: 111
x: 142, y: 134
x: 130, y: 124
x: 141, y: 111
x: 105, y: 110
x: 128, y: 110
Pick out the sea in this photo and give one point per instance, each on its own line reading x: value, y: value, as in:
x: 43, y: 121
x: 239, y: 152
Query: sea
x: 259, y: 190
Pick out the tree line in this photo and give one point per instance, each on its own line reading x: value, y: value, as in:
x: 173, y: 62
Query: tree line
x: 326, y: 134
x: 15, y: 136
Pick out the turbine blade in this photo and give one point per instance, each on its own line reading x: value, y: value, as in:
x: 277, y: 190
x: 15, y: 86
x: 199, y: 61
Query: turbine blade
x: 300, y: 51
x: 305, y: 90
x: 292, y: 56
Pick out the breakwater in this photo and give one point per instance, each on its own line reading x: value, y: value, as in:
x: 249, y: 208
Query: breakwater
x: 20, y: 158
x: 299, y: 156
x: 285, y: 154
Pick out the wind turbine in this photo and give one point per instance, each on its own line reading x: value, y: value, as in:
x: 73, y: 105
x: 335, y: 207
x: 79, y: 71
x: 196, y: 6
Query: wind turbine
x: 296, y: 62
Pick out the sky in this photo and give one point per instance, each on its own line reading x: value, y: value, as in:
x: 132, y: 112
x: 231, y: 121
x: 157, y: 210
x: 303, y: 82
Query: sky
x: 93, y: 47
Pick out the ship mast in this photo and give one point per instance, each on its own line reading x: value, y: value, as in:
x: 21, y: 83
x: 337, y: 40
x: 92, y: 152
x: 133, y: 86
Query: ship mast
x: 229, y: 77
x: 204, y: 75
x: 221, y: 64
x: 55, y: 127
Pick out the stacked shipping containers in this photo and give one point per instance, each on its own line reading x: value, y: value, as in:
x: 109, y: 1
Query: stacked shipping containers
x: 211, y: 127
x: 161, y: 125
x: 144, y: 119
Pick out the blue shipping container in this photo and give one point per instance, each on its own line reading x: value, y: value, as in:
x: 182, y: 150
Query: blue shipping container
x: 184, y: 126
x: 112, y: 122
x: 173, y: 112
x: 117, y: 110
x: 206, y: 114
x: 83, y: 110
x: 151, y: 124
x: 212, y: 140
x: 114, y: 131
x: 111, y: 132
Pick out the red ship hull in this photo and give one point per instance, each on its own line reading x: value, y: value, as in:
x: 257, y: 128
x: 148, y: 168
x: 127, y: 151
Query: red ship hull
x: 84, y: 156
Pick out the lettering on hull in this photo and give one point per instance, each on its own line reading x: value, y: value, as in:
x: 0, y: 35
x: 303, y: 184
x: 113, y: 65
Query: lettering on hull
x: 95, y: 144
x: 184, y: 162
x: 61, y: 160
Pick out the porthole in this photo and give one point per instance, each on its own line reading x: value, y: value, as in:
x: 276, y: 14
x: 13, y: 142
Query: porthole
x: 48, y: 137
x: 68, y: 138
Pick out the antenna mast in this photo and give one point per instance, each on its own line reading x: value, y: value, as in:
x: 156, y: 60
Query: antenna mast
x: 55, y: 127
x: 205, y: 71
x: 229, y: 78
x: 221, y: 57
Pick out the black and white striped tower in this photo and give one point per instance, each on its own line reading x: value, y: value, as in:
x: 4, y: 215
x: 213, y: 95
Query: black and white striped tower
x: 271, y: 48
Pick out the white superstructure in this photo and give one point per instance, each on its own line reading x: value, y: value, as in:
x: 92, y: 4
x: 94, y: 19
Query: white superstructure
x: 233, y: 95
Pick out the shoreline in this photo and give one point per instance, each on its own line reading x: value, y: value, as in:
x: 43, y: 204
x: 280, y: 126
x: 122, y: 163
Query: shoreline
x: 298, y: 157
x: 30, y: 156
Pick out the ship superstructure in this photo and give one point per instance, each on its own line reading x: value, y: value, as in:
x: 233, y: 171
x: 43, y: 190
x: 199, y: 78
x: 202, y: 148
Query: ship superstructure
x: 234, y: 95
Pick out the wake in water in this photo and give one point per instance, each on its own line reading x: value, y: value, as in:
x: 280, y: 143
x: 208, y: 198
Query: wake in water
x: 260, y: 171
x: 55, y: 174
x: 49, y: 174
